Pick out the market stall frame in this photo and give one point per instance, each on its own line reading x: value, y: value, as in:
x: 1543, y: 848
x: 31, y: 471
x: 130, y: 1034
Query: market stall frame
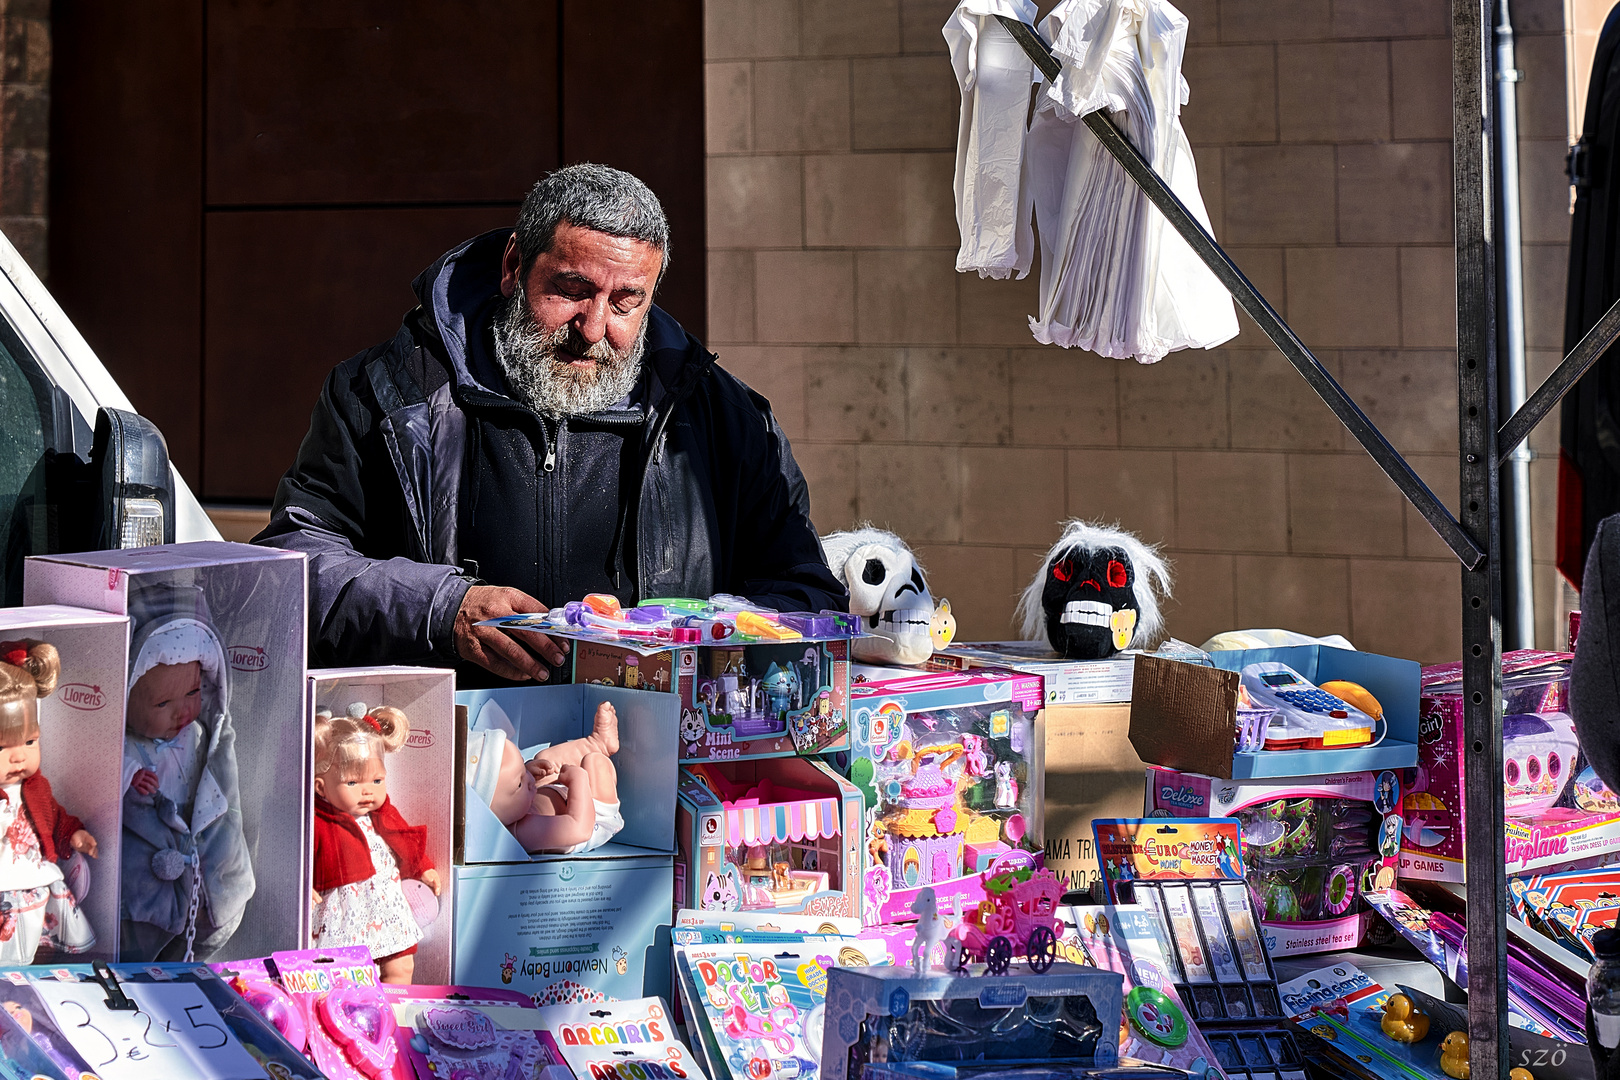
x: 1482, y: 446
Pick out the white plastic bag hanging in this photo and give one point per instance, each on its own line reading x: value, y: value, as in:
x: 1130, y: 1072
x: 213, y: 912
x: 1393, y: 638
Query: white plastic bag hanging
x: 992, y: 204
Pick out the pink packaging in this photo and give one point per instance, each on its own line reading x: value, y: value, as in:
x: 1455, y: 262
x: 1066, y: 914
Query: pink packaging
x: 471, y: 1033
x: 1559, y: 813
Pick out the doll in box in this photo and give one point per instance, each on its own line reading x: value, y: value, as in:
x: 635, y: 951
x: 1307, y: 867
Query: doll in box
x: 565, y: 799
x: 364, y: 849
x: 38, y: 910
x: 186, y: 873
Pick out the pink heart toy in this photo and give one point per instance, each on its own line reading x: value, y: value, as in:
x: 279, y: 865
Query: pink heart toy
x: 272, y: 1002
x: 363, y: 1025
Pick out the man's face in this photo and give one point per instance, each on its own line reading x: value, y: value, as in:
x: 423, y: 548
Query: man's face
x: 165, y: 700
x: 569, y: 337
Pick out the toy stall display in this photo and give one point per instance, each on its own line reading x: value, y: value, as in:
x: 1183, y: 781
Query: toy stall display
x: 383, y: 815
x: 892, y: 1015
x: 61, y: 754
x: 1156, y: 1027
x: 889, y: 593
x: 139, y: 1022
x: 1559, y: 813
x: 1311, y: 844
x: 780, y: 834
x: 759, y: 1010
x: 1354, y: 1017
x: 950, y: 765
x: 1098, y: 592
x: 214, y: 776
x: 751, y: 682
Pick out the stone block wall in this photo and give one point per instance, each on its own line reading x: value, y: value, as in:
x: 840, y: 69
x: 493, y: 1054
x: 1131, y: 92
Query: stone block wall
x: 916, y: 398
x: 25, y: 97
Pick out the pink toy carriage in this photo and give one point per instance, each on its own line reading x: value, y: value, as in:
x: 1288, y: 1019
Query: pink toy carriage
x: 1019, y: 916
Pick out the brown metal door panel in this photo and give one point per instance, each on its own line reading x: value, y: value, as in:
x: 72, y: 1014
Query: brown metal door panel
x: 126, y: 200
x: 364, y: 101
x: 632, y: 97
x: 292, y: 293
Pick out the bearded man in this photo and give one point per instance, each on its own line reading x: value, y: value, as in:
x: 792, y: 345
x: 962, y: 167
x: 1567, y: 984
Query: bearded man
x: 538, y: 430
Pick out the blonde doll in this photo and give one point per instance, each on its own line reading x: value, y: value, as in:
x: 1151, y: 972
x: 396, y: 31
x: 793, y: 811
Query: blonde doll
x: 37, y: 909
x: 363, y: 847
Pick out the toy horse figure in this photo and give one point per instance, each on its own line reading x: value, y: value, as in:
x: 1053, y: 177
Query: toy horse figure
x: 930, y: 929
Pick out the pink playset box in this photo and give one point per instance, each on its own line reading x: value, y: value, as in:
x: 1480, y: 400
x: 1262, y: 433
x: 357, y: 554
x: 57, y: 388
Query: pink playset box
x: 951, y: 767
x: 1558, y: 812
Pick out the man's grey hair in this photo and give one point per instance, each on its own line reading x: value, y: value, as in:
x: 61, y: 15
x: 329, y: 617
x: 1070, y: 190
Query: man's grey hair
x: 590, y: 196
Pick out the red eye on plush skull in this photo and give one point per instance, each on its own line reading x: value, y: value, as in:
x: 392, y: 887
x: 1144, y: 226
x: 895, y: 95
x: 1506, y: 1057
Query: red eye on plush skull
x: 1116, y: 573
x: 1063, y: 570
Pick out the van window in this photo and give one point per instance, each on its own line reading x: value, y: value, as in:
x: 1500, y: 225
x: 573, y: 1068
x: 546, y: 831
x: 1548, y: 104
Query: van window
x: 28, y: 520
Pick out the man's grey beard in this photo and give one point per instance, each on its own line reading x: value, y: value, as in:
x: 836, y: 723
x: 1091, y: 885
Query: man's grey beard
x: 549, y: 385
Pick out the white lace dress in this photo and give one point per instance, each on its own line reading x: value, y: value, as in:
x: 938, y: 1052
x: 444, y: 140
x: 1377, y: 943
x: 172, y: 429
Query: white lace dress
x: 373, y: 912
x: 37, y: 911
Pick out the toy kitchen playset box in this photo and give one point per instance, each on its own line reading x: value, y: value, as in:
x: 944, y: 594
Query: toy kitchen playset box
x: 951, y: 768
x: 1558, y: 812
x: 752, y: 683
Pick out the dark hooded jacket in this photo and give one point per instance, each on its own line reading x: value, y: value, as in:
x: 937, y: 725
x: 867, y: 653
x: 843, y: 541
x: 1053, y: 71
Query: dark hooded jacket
x: 419, y: 469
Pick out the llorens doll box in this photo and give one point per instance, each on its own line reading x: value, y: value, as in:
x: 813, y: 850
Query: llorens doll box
x: 782, y: 834
x: 61, y: 685
x: 951, y: 767
x: 396, y: 725
x: 216, y: 749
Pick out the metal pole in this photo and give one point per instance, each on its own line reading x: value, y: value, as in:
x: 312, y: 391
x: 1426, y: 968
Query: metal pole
x: 1518, y: 576
x: 1481, y: 585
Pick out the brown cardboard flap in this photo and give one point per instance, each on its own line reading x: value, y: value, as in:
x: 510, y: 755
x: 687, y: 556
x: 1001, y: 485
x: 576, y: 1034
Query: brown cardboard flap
x: 1184, y: 716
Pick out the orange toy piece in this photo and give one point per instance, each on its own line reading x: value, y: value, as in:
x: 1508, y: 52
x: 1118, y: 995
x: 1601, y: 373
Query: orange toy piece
x: 604, y: 604
x: 756, y: 625
x: 1454, y: 1055
x: 1402, y: 1022
x: 1520, y: 1074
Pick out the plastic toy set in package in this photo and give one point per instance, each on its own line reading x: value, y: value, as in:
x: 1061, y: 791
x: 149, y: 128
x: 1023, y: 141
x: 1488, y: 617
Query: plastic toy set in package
x: 1187, y: 874
x: 1067, y: 1014
x: 1308, y: 858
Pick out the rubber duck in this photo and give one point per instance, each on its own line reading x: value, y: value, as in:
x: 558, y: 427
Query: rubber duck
x: 1454, y: 1055
x: 1402, y: 1022
x: 1520, y: 1074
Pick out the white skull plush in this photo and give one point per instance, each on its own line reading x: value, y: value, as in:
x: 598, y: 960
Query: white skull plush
x: 888, y: 590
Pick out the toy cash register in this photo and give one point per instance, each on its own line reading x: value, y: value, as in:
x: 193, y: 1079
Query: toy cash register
x: 1306, y: 718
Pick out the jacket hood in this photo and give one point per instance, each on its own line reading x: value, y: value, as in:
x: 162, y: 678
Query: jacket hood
x: 455, y: 288
x: 170, y: 624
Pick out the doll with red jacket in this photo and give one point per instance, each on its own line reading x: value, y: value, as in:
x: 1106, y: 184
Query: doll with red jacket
x: 364, y: 849
x: 39, y: 911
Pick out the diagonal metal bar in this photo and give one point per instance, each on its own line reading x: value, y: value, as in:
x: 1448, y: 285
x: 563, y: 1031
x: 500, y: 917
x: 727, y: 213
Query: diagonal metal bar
x: 1248, y: 297
x: 1564, y: 377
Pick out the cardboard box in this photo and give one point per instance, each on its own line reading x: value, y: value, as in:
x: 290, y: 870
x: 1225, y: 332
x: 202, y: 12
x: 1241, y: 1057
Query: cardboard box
x: 566, y: 930
x: 541, y: 715
x: 1184, y: 716
x: 420, y: 776
x: 951, y: 767
x: 81, y: 742
x: 782, y: 834
x: 737, y: 701
x: 250, y: 602
x: 1065, y: 682
x: 1092, y: 771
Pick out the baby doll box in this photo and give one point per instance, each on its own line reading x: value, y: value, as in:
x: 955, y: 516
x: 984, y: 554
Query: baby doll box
x: 885, y: 1005
x: 419, y: 776
x: 538, y: 716
x: 746, y: 701
x: 951, y: 766
x: 565, y: 930
x: 81, y: 728
x: 1184, y: 716
x: 254, y: 601
x: 781, y: 834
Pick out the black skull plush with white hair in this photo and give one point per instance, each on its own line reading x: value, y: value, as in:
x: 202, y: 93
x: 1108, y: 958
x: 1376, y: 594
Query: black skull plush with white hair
x: 887, y: 590
x: 1097, y: 592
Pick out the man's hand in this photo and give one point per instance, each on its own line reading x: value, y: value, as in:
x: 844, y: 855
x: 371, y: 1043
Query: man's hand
x: 495, y: 649
x: 145, y: 782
